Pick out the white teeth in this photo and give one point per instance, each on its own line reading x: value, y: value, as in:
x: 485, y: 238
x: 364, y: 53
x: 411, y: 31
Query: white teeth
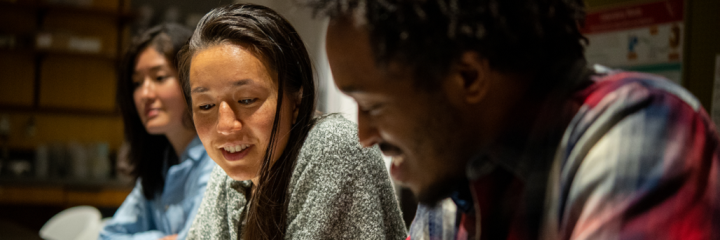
x: 397, y: 161
x: 236, y: 148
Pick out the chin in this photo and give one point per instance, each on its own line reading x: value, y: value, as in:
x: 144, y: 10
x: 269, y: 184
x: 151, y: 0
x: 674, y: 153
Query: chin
x: 237, y: 175
x: 153, y: 131
x: 436, y: 191
x: 155, y: 128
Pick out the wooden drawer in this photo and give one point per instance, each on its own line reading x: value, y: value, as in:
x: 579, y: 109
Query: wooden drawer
x: 17, y: 78
x: 102, y: 198
x: 32, y: 195
x: 77, y: 83
x: 62, y: 196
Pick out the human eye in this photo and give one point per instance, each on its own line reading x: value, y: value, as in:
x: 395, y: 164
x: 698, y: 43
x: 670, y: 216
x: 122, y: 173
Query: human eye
x: 205, y: 107
x: 160, y: 78
x: 136, y: 80
x: 373, y: 109
x: 136, y: 84
x: 247, y: 101
x: 160, y: 75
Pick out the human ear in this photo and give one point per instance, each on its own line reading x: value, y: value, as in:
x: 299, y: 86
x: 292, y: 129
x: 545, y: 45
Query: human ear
x: 470, y: 77
x: 298, y: 101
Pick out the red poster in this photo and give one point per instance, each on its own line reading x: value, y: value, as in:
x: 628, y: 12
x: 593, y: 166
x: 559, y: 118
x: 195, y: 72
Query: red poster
x: 634, y: 16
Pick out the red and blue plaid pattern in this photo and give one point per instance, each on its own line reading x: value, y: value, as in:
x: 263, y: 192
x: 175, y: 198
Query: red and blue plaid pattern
x: 639, y: 160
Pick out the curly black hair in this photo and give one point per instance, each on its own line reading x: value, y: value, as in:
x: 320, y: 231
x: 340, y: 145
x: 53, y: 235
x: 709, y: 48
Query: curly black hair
x: 535, y: 37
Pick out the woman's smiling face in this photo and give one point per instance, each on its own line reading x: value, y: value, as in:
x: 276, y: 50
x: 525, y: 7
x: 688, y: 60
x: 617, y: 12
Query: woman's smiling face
x: 157, y: 93
x: 234, y: 96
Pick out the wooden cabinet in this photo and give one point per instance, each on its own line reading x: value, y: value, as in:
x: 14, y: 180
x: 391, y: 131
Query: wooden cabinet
x: 32, y: 195
x: 63, y: 193
x: 58, y: 61
x: 76, y: 82
x: 58, y: 196
x: 17, y: 73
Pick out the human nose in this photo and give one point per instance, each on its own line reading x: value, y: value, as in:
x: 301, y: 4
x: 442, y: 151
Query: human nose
x: 147, y: 89
x: 227, y: 121
x: 367, y: 133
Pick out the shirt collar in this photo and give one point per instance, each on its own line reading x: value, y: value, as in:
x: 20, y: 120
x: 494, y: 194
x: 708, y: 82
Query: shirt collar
x: 240, y: 186
x: 525, y: 151
x: 463, y: 198
x: 194, y: 151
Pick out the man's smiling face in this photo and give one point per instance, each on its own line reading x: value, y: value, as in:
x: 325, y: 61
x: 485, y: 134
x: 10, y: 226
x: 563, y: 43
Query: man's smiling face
x: 418, y: 127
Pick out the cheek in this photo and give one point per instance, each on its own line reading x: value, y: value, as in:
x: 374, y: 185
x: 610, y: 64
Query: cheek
x: 286, y: 118
x: 204, y: 126
x: 395, y: 128
x: 178, y: 101
x: 139, y: 105
x: 284, y: 126
x: 171, y: 95
x: 262, y: 121
x: 403, y: 128
x: 262, y: 124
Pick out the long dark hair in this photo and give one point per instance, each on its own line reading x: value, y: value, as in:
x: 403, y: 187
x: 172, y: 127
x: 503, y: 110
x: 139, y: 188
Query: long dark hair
x: 147, y: 151
x: 271, y: 36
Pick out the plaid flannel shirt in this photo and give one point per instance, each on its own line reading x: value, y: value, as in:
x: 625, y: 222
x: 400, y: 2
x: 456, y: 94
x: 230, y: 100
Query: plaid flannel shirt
x: 639, y: 160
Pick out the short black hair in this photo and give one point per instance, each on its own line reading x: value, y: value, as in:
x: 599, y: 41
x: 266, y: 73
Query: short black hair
x: 541, y: 38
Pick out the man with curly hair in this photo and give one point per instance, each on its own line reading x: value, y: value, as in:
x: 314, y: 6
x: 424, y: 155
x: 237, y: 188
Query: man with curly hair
x: 502, y: 131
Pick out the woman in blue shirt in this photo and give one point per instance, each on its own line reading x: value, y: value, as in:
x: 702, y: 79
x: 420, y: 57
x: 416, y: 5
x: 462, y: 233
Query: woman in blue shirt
x: 171, y: 165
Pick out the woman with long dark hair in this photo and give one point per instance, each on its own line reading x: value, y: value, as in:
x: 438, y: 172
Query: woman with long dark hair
x: 284, y: 173
x: 170, y: 163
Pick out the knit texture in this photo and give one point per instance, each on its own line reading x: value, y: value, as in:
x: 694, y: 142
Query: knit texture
x: 338, y: 190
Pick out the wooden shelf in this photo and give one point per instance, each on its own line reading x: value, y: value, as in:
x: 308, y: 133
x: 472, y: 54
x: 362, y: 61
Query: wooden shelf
x: 59, y: 111
x: 89, y: 184
x: 76, y: 54
x: 63, y: 192
x: 68, y: 94
x: 56, y: 52
x: 120, y: 15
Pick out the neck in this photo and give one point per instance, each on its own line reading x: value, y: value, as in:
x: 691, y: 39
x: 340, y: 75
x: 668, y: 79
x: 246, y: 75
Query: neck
x: 518, y: 125
x: 180, y: 139
x: 535, y: 123
x: 255, y: 182
x: 506, y: 99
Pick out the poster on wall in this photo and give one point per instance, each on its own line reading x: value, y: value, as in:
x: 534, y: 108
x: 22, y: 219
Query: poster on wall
x: 645, y: 37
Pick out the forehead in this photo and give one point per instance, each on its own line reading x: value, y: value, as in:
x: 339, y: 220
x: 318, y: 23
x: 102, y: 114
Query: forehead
x: 351, y: 59
x: 228, y: 62
x: 149, y: 57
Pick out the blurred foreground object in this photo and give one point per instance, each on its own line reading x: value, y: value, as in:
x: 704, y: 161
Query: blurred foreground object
x: 77, y: 223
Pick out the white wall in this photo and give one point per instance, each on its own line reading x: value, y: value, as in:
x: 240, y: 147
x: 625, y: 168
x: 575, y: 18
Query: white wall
x: 312, y: 31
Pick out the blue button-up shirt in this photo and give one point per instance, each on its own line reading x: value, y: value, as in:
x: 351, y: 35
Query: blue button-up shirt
x: 171, y: 212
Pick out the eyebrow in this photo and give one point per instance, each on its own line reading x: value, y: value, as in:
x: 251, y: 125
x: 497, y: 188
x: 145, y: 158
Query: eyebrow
x: 237, y: 83
x: 155, y: 68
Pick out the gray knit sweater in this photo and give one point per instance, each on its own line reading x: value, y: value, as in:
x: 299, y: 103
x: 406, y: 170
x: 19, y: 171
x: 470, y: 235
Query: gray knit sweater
x: 338, y: 190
